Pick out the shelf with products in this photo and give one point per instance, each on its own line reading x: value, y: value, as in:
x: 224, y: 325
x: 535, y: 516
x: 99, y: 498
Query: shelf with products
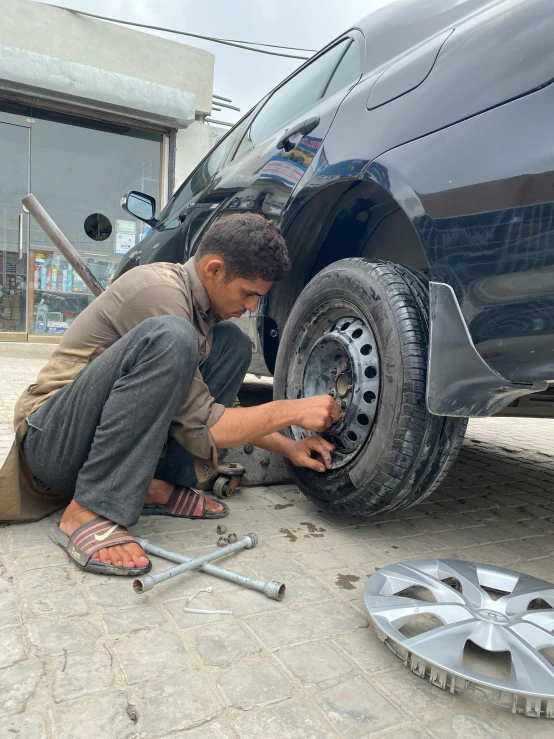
x: 57, y: 293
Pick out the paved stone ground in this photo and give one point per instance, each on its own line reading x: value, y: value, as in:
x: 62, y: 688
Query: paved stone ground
x: 82, y: 655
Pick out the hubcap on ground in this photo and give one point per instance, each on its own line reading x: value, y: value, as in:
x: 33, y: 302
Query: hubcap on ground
x: 344, y: 363
x: 498, y: 610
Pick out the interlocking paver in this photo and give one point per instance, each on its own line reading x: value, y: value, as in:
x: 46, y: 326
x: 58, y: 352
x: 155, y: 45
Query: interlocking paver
x: 51, y: 579
x: 151, y: 656
x: 314, y: 663
x: 23, y: 726
x: 289, y: 721
x: 461, y: 727
x: 97, y: 716
x: 246, y: 686
x: 56, y: 637
x: 210, y: 731
x: 357, y: 709
x: 127, y: 620
x: 172, y: 705
x: 76, y: 649
x: 9, y: 611
x: 224, y: 644
x: 55, y: 605
x: 17, y: 684
x: 81, y: 673
x: 12, y: 646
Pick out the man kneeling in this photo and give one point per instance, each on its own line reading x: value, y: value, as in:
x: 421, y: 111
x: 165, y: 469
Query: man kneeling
x: 131, y: 408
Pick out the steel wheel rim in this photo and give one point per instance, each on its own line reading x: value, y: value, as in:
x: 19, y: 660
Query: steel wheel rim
x: 496, y: 625
x: 338, y: 354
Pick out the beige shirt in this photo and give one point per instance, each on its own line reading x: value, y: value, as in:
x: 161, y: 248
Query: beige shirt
x: 151, y: 290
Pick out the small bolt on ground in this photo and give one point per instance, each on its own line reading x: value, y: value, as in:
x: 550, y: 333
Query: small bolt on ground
x: 232, y: 539
x: 222, y: 542
x: 221, y: 529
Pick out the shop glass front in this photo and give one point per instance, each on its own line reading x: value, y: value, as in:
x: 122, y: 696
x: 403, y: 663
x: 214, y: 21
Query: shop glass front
x: 78, y: 170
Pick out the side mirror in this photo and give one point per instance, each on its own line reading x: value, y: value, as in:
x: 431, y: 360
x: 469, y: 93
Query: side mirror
x: 141, y: 206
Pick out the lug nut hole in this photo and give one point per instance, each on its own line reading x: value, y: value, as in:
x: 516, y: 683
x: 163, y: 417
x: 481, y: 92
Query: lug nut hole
x: 370, y: 372
x: 357, y: 333
x: 344, y: 326
x: 352, y: 436
x: 363, y: 420
x: 366, y: 349
x: 369, y: 397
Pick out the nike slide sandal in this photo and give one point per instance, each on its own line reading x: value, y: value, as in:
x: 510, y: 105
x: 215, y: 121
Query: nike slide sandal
x: 185, y: 503
x: 100, y: 533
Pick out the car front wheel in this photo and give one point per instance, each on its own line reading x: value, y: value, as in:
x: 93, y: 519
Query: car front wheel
x: 359, y: 331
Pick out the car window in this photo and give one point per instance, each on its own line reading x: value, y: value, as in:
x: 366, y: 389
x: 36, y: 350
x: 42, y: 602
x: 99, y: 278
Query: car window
x: 348, y: 70
x: 296, y: 95
x: 201, y: 176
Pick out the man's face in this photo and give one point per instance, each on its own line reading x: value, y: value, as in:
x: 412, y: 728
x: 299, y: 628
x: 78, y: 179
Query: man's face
x: 230, y: 299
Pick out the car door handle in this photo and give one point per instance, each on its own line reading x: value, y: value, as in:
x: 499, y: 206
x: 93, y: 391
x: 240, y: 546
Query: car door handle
x: 302, y: 129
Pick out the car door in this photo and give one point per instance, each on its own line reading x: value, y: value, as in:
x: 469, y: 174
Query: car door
x: 282, y: 139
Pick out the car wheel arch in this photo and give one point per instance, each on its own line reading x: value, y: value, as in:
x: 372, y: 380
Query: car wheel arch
x: 362, y: 219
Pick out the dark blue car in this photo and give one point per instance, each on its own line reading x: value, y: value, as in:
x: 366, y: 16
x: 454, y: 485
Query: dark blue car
x: 410, y: 165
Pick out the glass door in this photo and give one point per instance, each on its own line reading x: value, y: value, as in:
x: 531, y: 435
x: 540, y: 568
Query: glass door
x: 14, y: 228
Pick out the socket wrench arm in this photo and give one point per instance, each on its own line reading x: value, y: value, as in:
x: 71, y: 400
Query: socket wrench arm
x: 142, y: 584
x: 270, y: 588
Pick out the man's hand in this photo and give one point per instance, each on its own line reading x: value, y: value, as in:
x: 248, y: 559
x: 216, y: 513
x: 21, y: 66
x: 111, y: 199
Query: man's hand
x: 300, y: 453
x: 317, y: 413
x: 239, y: 425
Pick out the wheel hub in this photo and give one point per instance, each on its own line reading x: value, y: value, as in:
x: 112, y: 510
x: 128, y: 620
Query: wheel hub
x: 344, y: 363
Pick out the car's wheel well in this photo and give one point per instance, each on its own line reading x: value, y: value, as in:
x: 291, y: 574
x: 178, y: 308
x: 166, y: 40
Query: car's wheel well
x: 346, y: 219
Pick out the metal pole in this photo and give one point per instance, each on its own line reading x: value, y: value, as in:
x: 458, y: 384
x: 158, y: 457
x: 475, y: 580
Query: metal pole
x: 224, y: 105
x: 142, y: 584
x: 219, y: 123
x: 61, y: 243
x: 270, y: 588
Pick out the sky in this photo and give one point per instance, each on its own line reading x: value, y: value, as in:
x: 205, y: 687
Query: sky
x: 241, y: 75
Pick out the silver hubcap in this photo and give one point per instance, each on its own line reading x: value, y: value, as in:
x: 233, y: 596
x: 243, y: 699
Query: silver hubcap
x: 468, y: 612
x: 344, y: 363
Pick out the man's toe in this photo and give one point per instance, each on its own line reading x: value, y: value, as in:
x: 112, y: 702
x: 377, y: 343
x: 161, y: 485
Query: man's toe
x: 104, y: 556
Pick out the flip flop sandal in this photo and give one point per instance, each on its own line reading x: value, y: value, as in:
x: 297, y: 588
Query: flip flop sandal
x: 100, y: 533
x: 184, y: 503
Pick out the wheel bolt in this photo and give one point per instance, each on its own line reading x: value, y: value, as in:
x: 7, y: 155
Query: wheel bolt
x: 343, y: 404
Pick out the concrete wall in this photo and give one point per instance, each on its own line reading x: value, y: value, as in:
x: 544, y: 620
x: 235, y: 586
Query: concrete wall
x: 75, y: 38
x: 192, y: 145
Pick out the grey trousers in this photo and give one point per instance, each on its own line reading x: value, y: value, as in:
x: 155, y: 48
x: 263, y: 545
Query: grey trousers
x: 100, y: 438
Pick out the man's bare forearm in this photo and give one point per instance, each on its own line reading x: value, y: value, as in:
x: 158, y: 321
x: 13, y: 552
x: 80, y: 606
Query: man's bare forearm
x: 240, y: 425
x: 276, y: 443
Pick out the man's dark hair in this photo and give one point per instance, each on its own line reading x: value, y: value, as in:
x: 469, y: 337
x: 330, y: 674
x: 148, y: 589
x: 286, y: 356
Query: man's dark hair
x: 251, y: 247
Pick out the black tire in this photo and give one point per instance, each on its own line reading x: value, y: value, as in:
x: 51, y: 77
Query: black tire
x: 408, y: 451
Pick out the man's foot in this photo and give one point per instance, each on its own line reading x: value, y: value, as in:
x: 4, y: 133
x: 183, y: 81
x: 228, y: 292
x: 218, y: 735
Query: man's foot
x: 159, y: 493
x: 125, y: 555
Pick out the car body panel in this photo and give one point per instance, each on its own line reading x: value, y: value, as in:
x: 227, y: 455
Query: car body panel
x: 486, y: 222
x: 457, y: 136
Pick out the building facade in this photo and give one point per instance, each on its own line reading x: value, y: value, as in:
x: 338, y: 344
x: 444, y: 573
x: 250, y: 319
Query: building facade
x: 88, y: 111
